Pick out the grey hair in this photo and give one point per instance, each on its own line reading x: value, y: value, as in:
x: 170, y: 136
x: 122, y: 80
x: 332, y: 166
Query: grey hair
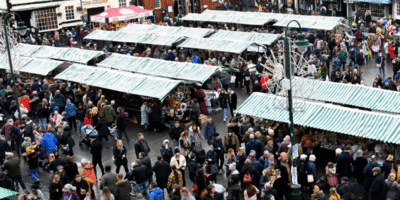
x: 252, y: 154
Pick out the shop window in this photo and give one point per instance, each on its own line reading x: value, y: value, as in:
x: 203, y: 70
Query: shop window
x: 378, y: 11
x: 46, y: 19
x: 69, y: 12
x: 122, y: 3
x: 397, y: 8
x: 157, y: 4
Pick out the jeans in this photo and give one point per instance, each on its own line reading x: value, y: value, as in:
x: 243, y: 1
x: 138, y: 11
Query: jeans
x: 56, y: 43
x: 19, y: 180
x: 176, y: 143
x: 42, y: 123
x: 80, y: 124
x: 382, y: 71
x: 33, y: 174
x: 312, y: 48
x: 142, y: 188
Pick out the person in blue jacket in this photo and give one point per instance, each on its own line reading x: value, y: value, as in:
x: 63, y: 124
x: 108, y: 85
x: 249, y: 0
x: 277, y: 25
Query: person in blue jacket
x: 49, y: 141
x: 156, y: 193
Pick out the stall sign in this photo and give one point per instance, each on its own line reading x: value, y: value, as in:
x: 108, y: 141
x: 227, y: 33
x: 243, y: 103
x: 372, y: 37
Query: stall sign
x: 94, y: 2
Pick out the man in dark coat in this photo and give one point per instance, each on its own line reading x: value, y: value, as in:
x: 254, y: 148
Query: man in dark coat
x: 81, y: 185
x: 232, y: 100
x: 192, y: 167
x: 141, y: 146
x: 369, y: 176
x: 344, y: 162
x: 95, y: 150
x: 139, y: 174
x: 147, y: 162
x: 70, y: 168
x: 248, y: 168
x: 103, y: 130
x: 109, y: 179
x: 359, y: 165
x: 121, y: 124
x: 378, y: 190
x: 4, y: 147
x: 175, y: 133
x: 162, y: 170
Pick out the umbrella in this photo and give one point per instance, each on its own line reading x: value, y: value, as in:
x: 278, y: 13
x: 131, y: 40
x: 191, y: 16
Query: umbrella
x: 4, y: 193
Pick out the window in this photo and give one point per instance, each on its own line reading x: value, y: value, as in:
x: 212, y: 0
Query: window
x: 157, y: 4
x: 122, y: 3
x: 378, y: 11
x: 339, y: 6
x: 69, y: 12
x: 397, y: 8
x: 46, y: 19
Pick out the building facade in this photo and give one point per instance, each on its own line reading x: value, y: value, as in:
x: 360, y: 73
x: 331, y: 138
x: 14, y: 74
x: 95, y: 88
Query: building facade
x: 50, y: 15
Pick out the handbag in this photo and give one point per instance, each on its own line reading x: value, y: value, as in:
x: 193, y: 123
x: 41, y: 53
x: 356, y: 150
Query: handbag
x: 195, y: 187
x: 310, y: 178
x: 233, y: 79
x: 65, y: 147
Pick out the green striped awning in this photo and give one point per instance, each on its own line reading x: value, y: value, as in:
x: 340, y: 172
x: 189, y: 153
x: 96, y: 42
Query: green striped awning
x: 215, y: 45
x: 169, y: 69
x: 126, y: 82
x: 354, y: 122
x: 32, y: 65
x: 349, y: 94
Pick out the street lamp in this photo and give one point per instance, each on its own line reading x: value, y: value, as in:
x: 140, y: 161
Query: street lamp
x: 301, y: 45
x: 21, y: 29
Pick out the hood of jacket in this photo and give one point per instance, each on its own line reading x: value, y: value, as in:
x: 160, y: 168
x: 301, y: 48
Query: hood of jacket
x: 122, y: 183
x: 252, y: 141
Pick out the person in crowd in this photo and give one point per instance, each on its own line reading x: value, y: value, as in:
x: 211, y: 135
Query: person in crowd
x: 392, y: 187
x: 250, y: 191
x: 13, y: 169
x: 63, y: 176
x: 378, y: 189
x: 123, y: 188
x: 70, y: 168
x: 179, y: 162
x: 175, y: 178
x: 139, y: 174
x: 121, y: 124
x: 119, y: 152
x: 102, y: 130
x: 209, y: 130
x: 184, y: 145
x: 219, y: 149
x: 175, y: 133
x: 195, y: 136
x: 106, y: 194
x: 95, y: 149
x: 317, y: 193
x: 166, y: 151
x: 333, y: 194
x: 255, y: 145
x: 82, y: 187
x: 108, y: 180
x: 369, y: 176
x: 155, y: 192
x: 162, y: 170
x: 55, y: 188
x: 141, y: 146
x: 312, y: 170
x: 331, y: 174
x: 69, y: 192
x: 147, y: 162
x: 344, y: 163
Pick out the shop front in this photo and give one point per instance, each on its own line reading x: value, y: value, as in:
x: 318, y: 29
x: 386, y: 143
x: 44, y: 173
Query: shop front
x: 378, y: 8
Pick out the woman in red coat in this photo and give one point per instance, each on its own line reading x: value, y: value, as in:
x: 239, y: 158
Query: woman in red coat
x: 391, y: 52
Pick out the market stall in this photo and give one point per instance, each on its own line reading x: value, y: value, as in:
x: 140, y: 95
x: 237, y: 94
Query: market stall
x: 331, y: 126
x: 156, y: 67
x: 118, y: 17
x: 167, y: 30
x: 36, y: 66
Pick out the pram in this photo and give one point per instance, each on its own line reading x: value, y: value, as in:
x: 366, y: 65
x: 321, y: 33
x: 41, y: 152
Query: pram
x: 113, y: 132
x: 88, y: 132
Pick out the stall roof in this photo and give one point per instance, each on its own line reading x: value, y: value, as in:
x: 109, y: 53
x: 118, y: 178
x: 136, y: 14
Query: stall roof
x: 60, y: 53
x: 215, y: 45
x: 117, y: 36
x: 126, y: 82
x: 157, y: 67
x: 33, y: 65
x: 354, y: 122
x: 353, y: 95
x: 258, y: 38
x: 260, y: 18
x: 167, y: 30
x: 27, y: 49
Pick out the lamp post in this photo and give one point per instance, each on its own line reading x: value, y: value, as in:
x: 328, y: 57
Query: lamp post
x: 301, y: 44
x: 21, y: 28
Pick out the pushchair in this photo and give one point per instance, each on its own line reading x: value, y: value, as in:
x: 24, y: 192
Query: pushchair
x: 88, y: 131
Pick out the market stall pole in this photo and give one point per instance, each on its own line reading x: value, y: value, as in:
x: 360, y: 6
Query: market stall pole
x: 21, y: 28
x: 301, y: 44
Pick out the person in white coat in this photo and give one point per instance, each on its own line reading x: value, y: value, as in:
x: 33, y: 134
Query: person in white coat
x: 180, y: 162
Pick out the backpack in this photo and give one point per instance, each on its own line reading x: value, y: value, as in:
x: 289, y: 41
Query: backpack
x: 248, y: 177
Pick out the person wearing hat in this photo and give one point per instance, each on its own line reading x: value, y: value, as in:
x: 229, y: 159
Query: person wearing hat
x: 166, y: 151
x: 95, y: 150
x: 219, y: 149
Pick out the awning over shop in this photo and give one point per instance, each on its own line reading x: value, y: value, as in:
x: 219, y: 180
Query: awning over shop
x: 166, y: 30
x: 258, y: 38
x: 33, y: 65
x: 125, y: 82
x: 66, y: 54
x: 375, y: 1
x: 349, y: 94
x: 260, y: 18
x: 354, y: 122
x: 121, y: 14
x: 117, y: 36
x: 157, y: 67
x: 215, y: 45
x: 39, y: 5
